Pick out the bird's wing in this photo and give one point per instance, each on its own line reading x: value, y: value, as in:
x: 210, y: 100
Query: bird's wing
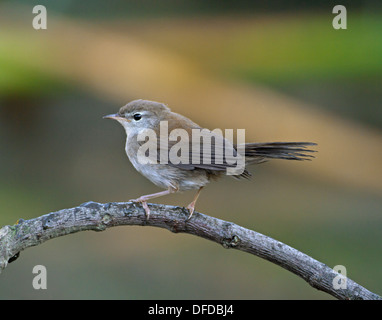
x: 199, y: 148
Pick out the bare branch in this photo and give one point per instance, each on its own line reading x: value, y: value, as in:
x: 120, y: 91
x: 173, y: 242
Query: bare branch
x: 98, y: 217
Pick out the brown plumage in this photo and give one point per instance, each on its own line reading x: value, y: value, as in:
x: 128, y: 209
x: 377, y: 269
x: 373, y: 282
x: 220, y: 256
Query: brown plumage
x: 179, y: 170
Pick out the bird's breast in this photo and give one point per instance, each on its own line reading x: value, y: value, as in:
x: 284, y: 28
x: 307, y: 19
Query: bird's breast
x: 165, y: 175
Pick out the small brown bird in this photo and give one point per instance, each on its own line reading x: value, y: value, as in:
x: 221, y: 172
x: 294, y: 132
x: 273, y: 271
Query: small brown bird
x: 155, y: 150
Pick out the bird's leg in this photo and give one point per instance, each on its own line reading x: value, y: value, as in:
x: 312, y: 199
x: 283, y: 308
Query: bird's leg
x: 143, y: 199
x: 191, y: 206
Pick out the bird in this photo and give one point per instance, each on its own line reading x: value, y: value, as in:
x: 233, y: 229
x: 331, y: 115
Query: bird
x: 178, y: 165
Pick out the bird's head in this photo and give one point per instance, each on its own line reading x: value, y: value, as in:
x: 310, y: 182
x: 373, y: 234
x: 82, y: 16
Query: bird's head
x: 140, y: 114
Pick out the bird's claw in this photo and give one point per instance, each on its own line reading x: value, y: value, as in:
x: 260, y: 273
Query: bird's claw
x: 144, y: 205
x: 191, y: 209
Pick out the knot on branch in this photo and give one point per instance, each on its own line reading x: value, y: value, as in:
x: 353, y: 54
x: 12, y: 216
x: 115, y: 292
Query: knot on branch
x: 231, y: 242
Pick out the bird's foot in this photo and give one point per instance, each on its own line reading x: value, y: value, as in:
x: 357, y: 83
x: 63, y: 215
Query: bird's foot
x: 191, y: 209
x: 144, y: 205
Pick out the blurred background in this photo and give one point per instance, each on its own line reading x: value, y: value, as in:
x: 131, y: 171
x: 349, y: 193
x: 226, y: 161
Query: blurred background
x: 279, y: 70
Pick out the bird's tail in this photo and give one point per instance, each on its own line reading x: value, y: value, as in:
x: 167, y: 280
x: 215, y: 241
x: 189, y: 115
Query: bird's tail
x: 260, y: 152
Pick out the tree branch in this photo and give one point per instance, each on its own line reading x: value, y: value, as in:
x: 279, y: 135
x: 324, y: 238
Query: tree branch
x: 98, y: 217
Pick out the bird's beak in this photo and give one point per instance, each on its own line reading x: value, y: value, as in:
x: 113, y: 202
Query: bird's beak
x: 114, y: 117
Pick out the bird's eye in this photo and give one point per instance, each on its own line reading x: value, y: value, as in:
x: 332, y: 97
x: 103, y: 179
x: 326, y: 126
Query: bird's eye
x: 137, y: 117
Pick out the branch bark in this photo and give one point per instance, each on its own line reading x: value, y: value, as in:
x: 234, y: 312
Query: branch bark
x: 98, y: 217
